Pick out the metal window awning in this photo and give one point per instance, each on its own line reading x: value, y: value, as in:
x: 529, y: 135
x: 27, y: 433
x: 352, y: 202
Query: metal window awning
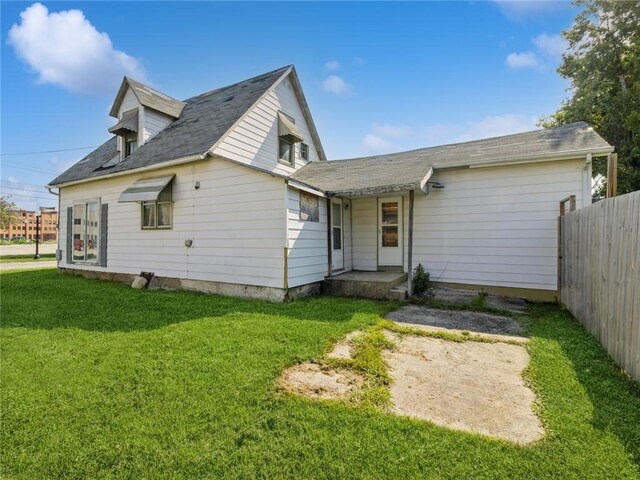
x: 146, y: 189
x: 288, y: 130
x: 128, y: 122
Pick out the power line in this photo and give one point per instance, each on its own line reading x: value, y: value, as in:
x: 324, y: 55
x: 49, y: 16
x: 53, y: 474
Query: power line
x: 48, y: 151
x: 35, y: 197
x: 22, y: 186
x: 28, y: 167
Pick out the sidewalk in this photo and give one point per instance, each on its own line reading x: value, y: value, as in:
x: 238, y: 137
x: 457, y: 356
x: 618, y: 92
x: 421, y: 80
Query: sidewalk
x: 27, y: 265
x: 27, y: 249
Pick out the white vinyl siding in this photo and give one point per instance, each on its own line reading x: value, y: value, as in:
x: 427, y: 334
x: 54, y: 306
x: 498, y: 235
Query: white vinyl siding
x: 364, y: 228
x: 495, y: 226
x: 236, y: 220
x: 307, y: 243
x: 153, y: 123
x: 129, y: 102
x: 255, y: 139
x: 346, y: 232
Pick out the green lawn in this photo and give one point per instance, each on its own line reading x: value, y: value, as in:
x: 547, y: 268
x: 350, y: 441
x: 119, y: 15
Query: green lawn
x: 102, y: 381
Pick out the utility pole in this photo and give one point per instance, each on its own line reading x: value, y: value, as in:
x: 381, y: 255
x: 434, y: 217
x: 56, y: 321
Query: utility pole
x: 37, y: 256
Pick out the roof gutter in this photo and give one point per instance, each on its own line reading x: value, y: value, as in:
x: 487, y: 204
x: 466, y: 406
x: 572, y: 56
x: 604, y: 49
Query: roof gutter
x: 549, y: 157
x: 157, y: 166
x: 305, y: 188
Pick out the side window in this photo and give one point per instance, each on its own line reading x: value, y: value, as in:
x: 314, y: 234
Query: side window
x: 309, y: 207
x: 304, y: 151
x: 158, y: 214
x: 86, y: 232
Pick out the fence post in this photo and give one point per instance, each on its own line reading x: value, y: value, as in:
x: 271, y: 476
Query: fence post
x: 612, y: 175
x: 572, y: 206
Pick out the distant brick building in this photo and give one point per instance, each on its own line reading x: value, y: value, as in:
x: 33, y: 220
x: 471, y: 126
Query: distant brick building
x: 25, y: 226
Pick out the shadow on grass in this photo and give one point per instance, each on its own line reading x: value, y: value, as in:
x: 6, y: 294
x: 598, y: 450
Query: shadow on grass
x: 46, y: 299
x: 614, y: 397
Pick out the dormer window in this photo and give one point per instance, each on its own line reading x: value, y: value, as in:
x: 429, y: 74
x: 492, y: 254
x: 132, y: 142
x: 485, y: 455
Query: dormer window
x: 130, y: 142
x: 288, y: 136
x: 127, y: 130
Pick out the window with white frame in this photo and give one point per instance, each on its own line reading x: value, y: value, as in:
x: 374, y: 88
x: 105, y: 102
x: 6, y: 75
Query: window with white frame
x: 304, y: 151
x: 130, y: 140
x: 157, y: 214
x: 86, y: 231
x: 286, y: 151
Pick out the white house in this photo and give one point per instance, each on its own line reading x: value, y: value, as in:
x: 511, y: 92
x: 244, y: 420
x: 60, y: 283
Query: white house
x: 230, y: 192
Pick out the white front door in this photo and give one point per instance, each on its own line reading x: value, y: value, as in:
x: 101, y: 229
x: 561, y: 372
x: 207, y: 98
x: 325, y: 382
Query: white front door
x: 337, y: 247
x: 390, y: 232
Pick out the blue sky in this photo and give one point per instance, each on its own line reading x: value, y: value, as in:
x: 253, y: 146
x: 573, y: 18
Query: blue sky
x: 379, y: 77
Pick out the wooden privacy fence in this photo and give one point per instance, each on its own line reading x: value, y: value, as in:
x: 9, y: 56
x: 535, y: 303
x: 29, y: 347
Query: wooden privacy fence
x: 600, y: 274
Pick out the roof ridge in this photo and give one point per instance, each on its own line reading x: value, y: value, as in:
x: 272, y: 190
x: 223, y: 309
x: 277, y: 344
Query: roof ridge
x: 151, y: 89
x: 247, y: 80
x: 456, y: 144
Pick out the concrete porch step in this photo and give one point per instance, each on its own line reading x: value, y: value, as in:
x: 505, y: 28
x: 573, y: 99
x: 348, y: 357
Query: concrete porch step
x: 378, y: 285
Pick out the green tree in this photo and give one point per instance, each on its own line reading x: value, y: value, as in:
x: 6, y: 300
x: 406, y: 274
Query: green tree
x: 603, y: 66
x: 7, y: 212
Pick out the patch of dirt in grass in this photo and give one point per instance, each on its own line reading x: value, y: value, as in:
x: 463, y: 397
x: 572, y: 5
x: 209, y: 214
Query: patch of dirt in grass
x: 344, y: 348
x: 314, y: 381
x: 469, y: 386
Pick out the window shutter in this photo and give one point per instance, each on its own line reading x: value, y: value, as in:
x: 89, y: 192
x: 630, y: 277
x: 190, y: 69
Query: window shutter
x: 104, y: 217
x: 69, y: 235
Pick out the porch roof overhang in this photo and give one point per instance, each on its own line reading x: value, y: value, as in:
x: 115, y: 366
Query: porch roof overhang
x: 145, y: 189
x: 358, y: 178
x: 378, y: 190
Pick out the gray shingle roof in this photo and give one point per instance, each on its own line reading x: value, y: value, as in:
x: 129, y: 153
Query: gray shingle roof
x: 203, y: 121
x: 148, y: 97
x: 404, y: 170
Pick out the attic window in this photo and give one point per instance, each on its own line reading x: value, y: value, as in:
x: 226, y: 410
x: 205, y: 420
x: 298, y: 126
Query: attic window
x: 286, y: 151
x: 130, y: 140
x: 287, y: 128
x: 288, y: 136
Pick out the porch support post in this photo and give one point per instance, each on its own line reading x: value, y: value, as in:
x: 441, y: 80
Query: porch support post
x: 410, y: 249
x: 329, y: 236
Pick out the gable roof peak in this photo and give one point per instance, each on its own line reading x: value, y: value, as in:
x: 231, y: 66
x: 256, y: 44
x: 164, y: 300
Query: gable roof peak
x: 148, y: 97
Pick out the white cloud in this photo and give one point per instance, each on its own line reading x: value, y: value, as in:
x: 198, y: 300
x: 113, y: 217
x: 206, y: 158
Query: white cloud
x: 358, y: 61
x: 551, y: 46
x: 65, y: 49
x: 375, y: 144
x: 383, y: 136
x: 332, y: 65
x: 336, y: 85
x: 391, y: 131
x: 549, y: 51
x: 523, y: 60
x: 519, y: 10
x: 496, y: 126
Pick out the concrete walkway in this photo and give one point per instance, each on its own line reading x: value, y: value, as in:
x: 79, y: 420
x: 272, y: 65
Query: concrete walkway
x: 27, y: 265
